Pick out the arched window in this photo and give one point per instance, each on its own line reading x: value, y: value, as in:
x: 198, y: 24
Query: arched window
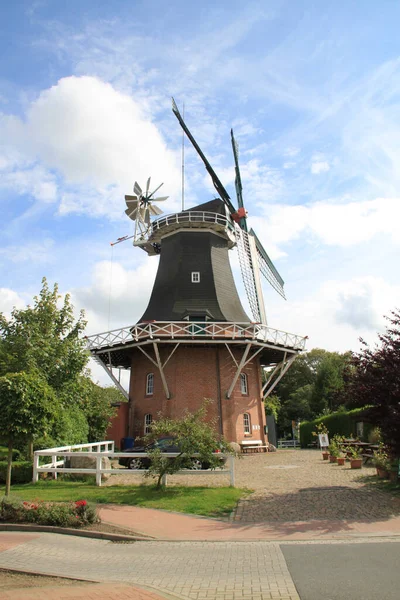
x: 149, y: 384
x: 246, y: 424
x: 243, y: 384
x: 147, y: 423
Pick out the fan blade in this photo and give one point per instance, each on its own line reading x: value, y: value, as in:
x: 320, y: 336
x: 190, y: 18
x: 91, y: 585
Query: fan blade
x: 137, y: 189
x: 250, y: 273
x: 154, y: 210
x: 267, y: 267
x: 217, y: 183
x: 154, y: 191
x: 131, y: 200
x: 147, y: 217
x: 161, y: 199
x: 131, y: 213
x: 147, y: 187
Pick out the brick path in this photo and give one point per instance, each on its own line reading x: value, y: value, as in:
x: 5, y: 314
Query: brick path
x: 295, y: 485
x: 195, y: 571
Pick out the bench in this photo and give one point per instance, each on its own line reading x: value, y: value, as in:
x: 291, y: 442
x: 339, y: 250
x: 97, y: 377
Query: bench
x: 252, y: 446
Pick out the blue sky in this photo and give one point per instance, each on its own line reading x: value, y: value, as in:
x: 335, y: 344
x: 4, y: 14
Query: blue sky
x: 312, y: 90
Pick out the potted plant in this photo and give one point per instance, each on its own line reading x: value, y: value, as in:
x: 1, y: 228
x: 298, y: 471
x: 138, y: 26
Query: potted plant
x: 340, y: 459
x: 354, y: 454
x: 381, y: 462
x: 325, y: 454
x: 333, y: 452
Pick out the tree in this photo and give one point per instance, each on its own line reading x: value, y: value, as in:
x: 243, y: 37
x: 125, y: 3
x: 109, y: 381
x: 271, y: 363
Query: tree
x: 374, y: 381
x: 28, y: 405
x: 44, y: 338
x: 96, y: 403
x: 193, y: 435
x: 311, y: 387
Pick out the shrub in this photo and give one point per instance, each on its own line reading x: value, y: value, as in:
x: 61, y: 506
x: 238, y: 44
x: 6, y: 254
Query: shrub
x: 58, y: 514
x: 21, y: 472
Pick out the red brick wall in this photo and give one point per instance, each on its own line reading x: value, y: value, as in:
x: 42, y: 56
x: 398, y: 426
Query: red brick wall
x: 118, y: 427
x: 195, y: 372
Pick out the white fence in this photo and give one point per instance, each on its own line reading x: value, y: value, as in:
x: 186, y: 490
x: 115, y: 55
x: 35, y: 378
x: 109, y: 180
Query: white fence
x: 100, y: 450
x: 288, y: 443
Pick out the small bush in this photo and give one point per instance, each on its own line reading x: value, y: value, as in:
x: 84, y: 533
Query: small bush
x: 58, y: 514
x: 21, y: 471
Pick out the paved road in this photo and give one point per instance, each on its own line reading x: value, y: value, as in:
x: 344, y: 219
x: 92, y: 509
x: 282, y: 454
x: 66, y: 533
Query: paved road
x: 223, y: 570
x: 368, y: 571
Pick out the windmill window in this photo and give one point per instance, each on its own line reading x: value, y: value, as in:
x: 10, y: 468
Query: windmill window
x: 244, y: 388
x: 246, y: 424
x: 195, y: 277
x: 150, y: 384
x: 147, y: 423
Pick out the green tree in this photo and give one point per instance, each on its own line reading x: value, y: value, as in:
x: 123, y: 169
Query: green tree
x: 28, y: 405
x: 374, y: 381
x: 193, y: 435
x: 311, y: 386
x: 45, y: 338
x: 96, y: 402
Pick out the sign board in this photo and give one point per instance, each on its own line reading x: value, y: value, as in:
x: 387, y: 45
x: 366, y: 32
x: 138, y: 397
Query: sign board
x: 323, y: 440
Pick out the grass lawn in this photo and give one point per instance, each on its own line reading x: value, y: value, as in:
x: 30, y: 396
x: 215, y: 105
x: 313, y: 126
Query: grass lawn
x: 209, y: 502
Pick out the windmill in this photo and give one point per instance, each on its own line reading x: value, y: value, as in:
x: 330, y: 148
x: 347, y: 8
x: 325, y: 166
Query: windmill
x: 194, y: 339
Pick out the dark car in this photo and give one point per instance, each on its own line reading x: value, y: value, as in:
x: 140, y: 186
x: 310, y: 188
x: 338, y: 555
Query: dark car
x: 165, y: 444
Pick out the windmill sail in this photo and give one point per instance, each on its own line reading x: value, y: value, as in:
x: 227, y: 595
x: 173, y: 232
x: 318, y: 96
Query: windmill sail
x: 267, y: 268
x: 249, y: 267
x: 223, y: 194
x: 238, y: 179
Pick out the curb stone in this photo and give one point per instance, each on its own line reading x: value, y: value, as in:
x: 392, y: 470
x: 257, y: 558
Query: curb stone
x: 100, y: 535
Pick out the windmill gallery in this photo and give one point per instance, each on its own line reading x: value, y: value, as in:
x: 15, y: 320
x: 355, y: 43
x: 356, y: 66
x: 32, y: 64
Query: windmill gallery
x: 194, y: 340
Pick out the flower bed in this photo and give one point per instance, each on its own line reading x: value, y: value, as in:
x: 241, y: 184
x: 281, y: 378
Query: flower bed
x: 60, y: 514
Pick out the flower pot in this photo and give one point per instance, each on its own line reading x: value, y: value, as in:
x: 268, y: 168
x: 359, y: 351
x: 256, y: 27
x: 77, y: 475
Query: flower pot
x: 382, y: 473
x: 332, y: 459
x: 340, y: 461
x: 356, y: 463
x: 325, y: 455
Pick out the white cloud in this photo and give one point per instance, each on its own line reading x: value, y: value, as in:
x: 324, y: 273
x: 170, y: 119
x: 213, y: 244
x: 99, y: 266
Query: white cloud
x: 338, y: 312
x: 117, y: 296
x: 95, y: 138
x: 31, y: 253
x: 318, y: 167
x: 8, y: 300
x: 340, y: 224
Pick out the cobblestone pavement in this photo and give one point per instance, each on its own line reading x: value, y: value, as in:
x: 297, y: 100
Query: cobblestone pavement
x: 295, y: 485
x: 196, y: 571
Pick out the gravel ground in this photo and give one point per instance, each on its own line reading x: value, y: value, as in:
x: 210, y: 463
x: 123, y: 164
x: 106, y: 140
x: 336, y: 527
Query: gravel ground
x: 293, y: 485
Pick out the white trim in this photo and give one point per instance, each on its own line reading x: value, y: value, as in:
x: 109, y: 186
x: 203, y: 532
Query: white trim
x: 148, y: 419
x: 195, y: 276
x: 150, y: 384
x: 246, y: 424
x: 244, y: 387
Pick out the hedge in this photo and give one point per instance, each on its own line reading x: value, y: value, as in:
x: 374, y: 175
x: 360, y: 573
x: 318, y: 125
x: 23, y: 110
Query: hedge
x: 21, y: 471
x: 343, y: 423
x: 4, y: 453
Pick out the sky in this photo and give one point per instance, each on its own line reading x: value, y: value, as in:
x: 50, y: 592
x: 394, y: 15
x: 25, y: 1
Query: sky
x: 312, y: 91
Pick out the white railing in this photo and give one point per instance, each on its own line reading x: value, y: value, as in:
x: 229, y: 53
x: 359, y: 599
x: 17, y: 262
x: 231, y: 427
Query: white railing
x: 191, y: 218
x: 199, y: 329
x: 58, y: 466
x: 288, y: 443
